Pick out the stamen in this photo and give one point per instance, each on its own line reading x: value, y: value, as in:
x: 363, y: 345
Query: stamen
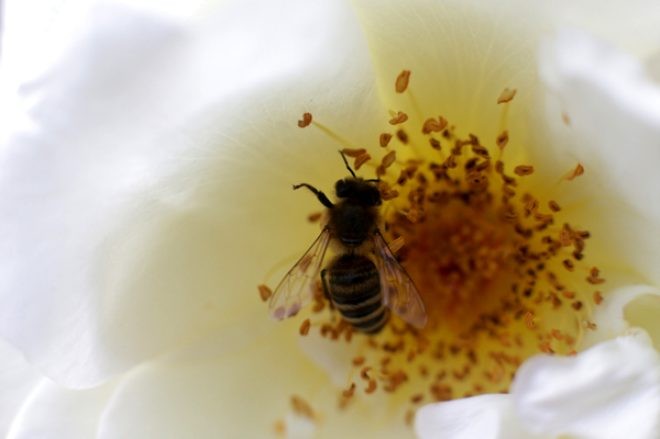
x: 314, y: 217
x: 502, y: 139
x: 402, y: 80
x: 399, y: 118
x: 432, y: 125
x: 304, y: 327
x: 507, y: 95
x: 579, y: 170
x: 264, y: 292
x: 302, y: 408
x: 306, y: 120
x: 361, y: 160
x: 354, y: 152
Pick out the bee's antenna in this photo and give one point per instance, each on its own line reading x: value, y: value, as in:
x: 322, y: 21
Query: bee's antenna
x: 346, y: 163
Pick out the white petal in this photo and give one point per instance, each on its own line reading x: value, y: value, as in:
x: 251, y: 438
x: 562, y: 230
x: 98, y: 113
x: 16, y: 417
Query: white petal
x: 17, y: 379
x: 614, y: 112
x: 483, y: 417
x: 136, y: 206
x: 239, y: 386
x: 55, y: 412
x: 633, y: 27
x: 609, y: 391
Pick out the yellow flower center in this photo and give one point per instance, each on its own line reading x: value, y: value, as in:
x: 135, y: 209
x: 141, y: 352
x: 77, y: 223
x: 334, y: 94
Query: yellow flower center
x: 502, y: 272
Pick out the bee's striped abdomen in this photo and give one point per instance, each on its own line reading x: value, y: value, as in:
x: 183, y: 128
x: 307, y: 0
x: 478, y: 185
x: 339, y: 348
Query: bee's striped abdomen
x: 354, y: 287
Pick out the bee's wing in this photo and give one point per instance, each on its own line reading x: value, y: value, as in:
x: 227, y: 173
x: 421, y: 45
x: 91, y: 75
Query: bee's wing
x: 399, y: 292
x: 296, y: 289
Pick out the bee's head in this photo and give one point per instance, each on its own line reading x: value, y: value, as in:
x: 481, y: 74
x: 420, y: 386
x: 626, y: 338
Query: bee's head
x: 358, y: 191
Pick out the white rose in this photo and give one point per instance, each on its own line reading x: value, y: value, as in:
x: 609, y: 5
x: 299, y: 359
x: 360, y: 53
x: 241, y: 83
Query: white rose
x: 148, y: 152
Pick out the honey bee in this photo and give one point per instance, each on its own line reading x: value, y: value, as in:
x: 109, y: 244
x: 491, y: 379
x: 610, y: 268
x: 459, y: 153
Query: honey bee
x: 364, y: 281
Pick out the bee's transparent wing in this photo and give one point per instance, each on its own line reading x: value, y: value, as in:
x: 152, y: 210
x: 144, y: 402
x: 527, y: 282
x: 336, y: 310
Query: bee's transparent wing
x: 399, y: 292
x: 297, y: 287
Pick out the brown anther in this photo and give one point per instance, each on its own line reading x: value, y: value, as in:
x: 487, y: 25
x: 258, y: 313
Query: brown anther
x: 568, y: 294
x: 402, y: 136
x: 568, y: 264
x: 507, y: 95
x: 565, y: 118
x: 523, y: 170
x: 556, y: 334
x: 417, y: 398
x: 402, y: 81
x: 583, y: 234
x: 306, y: 120
x: 348, y: 393
x: 388, y: 159
x: 398, y: 118
x: 264, y: 292
x: 590, y: 325
x: 598, y: 297
x: 371, y: 387
x: 529, y: 320
x: 579, y: 170
x: 364, y: 373
x: 304, y: 327
x: 302, y: 407
x: 359, y: 361
x: 480, y: 150
x: 594, y: 277
x: 432, y: 125
x: 435, y: 143
x: 483, y: 166
x: 546, y: 347
x: 502, y: 139
x: 384, y: 139
x: 361, y: 160
x: 577, y: 305
x: 389, y: 195
x: 353, y: 152
x: 554, y: 206
x: 396, y: 244
x: 314, y: 217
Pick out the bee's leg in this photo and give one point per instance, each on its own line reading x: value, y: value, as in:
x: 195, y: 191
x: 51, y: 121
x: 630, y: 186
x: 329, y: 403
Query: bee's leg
x: 324, y: 284
x: 320, y: 195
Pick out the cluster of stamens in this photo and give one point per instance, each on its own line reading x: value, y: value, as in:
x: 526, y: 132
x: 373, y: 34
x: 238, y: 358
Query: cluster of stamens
x: 502, y: 273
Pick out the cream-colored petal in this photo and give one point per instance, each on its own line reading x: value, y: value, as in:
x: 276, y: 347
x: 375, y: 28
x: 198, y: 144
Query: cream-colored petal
x: 613, y: 110
x: 54, y: 412
x: 485, y: 416
x: 462, y: 54
x: 17, y: 379
x: 149, y: 189
x: 644, y: 312
x: 623, y: 308
x: 609, y: 391
x: 236, y: 386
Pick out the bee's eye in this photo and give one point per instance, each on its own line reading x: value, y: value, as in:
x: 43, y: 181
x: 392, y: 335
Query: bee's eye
x: 341, y: 189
